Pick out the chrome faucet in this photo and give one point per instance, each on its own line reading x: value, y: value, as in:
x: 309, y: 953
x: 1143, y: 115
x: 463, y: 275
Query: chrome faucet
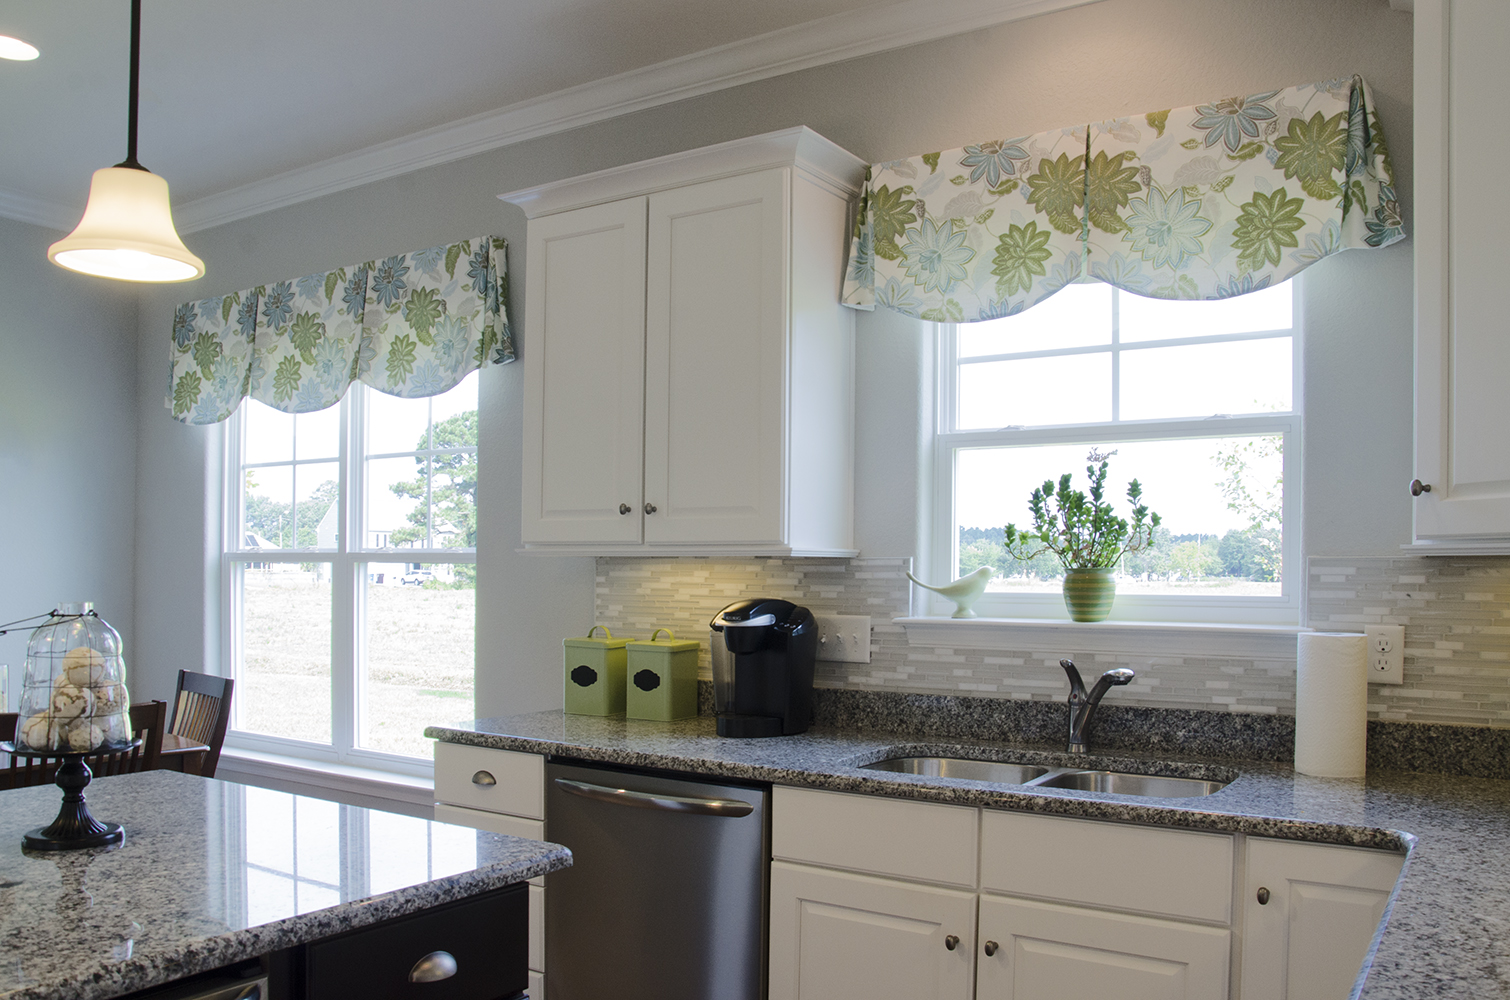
x: 1082, y: 705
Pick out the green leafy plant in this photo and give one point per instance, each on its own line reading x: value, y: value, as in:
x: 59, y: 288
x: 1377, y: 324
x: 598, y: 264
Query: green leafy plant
x: 1082, y: 531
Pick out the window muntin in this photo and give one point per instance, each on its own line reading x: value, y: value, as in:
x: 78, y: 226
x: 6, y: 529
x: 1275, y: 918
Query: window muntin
x: 1199, y: 404
x: 346, y: 651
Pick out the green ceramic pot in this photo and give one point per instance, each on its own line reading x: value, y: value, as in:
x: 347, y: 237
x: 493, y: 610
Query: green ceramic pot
x: 1088, y: 594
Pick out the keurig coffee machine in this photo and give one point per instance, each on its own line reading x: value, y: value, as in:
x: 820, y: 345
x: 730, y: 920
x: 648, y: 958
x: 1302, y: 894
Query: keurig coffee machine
x: 763, y: 675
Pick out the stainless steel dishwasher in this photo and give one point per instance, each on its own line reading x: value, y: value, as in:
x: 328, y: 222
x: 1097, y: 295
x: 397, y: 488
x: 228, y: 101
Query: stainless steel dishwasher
x: 666, y: 895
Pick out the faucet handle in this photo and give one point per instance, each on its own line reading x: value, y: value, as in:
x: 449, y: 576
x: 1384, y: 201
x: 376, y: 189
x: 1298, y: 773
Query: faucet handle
x: 1077, y: 686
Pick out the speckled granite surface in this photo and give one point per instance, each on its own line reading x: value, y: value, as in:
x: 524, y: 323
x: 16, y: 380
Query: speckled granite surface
x: 1448, y: 933
x: 207, y: 878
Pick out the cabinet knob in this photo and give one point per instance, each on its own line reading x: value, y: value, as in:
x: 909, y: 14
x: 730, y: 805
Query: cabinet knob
x: 484, y: 778
x: 990, y: 948
x: 624, y: 508
x: 433, y: 968
x: 951, y: 942
x: 1417, y: 487
x: 650, y: 508
x: 1263, y: 895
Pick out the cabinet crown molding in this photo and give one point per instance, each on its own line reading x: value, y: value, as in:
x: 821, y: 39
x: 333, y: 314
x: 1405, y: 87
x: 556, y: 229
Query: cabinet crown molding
x: 801, y: 147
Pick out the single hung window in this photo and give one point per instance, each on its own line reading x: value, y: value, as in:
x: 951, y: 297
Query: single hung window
x: 350, y: 574
x: 1198, y: 401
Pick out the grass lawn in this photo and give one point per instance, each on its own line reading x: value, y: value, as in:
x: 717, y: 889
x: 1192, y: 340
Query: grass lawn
x: 419, y: 656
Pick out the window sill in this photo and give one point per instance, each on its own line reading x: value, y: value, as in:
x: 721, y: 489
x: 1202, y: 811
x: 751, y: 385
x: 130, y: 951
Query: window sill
x: 1151, y: 638
x: 358, y: 785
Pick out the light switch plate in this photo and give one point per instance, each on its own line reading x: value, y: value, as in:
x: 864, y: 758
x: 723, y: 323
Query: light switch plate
x: 1386, y: 653
x: 844, y: 638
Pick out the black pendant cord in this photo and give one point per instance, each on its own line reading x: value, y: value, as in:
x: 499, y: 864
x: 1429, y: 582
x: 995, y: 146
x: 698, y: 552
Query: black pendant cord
x: 136, y: 59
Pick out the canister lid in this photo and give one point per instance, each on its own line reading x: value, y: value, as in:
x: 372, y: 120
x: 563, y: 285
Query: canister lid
x: 607, y: 641
x: 670, y: 644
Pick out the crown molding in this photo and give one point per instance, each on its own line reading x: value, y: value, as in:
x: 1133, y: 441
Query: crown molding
x: 817, y: 43
x: 38, y: 211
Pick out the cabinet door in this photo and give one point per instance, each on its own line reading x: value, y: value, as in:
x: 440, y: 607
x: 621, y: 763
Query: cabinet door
x: 583, y: 356
x: 1462, y: 351
x: 716, y: 353
x: 1324, y: 905
x: 1045, y: 951
x: 836, y: 936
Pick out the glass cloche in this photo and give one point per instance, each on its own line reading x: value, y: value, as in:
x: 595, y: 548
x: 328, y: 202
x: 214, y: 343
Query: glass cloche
x: 73, y: 695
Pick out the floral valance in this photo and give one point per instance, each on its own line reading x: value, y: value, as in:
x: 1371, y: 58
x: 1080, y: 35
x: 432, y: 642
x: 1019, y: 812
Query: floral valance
x: 411, y: 325
x: 1191, y: 203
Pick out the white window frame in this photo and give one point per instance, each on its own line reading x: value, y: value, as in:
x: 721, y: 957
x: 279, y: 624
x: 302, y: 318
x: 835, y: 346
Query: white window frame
x: 348, y: 594
x: 1283, y: 610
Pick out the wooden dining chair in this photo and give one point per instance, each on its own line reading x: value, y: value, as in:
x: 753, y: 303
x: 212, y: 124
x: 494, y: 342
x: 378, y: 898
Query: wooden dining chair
x: 202, y: 713
x: 148, y: 723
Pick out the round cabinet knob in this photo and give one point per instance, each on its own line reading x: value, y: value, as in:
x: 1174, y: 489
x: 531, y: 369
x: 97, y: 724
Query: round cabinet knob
x: 433, y: 968
x: 951, y: 942
x: 624, y: 508
x: 1263, y: 896
x: 484, y: 778
x: 990, y: 948
x: 650, y: 508
x: 1417, y: 487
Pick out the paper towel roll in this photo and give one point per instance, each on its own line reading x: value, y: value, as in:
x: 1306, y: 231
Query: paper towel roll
x: 1331, y: 704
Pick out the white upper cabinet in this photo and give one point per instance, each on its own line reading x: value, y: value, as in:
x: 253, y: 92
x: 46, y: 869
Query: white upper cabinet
x: 689, y: 372
x: 1462, y: 334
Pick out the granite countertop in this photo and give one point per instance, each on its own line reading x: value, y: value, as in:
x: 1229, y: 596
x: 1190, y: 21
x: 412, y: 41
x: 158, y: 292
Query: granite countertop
x: 1448, y: 929
x: 213, y: 873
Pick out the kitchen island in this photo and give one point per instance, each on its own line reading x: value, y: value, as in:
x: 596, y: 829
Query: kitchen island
x: 1446, y: 933
x: 213, y: 874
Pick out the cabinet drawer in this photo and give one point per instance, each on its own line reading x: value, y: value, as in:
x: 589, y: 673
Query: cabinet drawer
x: 519, y: 788
x: 929, y: 841
x: 487, y: 936
x: 1107, y: 864
x: 509, y: 826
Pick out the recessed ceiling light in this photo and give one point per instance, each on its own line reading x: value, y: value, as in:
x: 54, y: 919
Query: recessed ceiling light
x: 14, y: 48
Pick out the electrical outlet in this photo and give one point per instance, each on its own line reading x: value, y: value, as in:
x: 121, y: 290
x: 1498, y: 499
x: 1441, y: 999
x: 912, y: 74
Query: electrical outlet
x: 1386, y: 653
x: 844, y: 638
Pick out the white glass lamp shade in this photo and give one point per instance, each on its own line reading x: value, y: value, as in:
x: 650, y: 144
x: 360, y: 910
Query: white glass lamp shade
x: 127, y: 232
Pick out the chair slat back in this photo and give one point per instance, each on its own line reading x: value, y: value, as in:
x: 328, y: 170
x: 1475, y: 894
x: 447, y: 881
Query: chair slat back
x: 202, y: 713
x: 148, y: 723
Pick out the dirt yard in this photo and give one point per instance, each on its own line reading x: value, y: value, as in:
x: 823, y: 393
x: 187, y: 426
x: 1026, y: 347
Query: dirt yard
x: 419, y: 661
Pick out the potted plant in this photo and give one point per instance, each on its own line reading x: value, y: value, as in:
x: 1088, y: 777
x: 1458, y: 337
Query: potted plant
x: 1086, y: 536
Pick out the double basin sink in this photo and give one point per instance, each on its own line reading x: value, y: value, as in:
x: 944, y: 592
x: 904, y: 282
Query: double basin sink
x: 1040, y: 776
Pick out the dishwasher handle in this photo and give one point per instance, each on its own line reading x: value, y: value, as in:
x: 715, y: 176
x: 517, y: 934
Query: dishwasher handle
x: 733, y: 808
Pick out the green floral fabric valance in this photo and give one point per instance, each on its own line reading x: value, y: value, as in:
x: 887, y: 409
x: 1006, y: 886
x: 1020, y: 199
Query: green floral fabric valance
x: 1192, y: 203
x: 411, y: 325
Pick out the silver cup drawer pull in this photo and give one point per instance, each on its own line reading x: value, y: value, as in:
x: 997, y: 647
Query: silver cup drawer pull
x: 484, y: 778
x: 433, y: 968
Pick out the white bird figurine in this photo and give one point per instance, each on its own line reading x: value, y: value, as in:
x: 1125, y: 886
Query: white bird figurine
x: 964, y: 592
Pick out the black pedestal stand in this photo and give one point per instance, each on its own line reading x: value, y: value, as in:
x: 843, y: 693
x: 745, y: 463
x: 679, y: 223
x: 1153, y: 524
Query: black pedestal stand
x: 74, y: 828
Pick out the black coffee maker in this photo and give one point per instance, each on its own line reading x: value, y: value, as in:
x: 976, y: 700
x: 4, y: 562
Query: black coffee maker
x: 763, y: 675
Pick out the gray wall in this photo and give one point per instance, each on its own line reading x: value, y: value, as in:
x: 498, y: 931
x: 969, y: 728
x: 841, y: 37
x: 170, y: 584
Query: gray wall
x: 67, y: 441
x: 1089, y: 63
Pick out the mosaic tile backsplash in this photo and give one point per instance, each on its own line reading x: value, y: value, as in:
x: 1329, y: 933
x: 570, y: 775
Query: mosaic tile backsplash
x: 1456, y: 614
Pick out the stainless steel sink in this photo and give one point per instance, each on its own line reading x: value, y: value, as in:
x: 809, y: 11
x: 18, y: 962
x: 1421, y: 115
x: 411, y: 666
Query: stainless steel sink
x: 1120, y: 783
x: 1039, y: 776
x: 1000, y: 772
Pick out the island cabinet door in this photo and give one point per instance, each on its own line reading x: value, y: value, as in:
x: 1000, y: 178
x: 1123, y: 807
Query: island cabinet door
x: 473, y: 949
x: 1310, y: 914
x: 1045, y: 951
x: 839, y: 936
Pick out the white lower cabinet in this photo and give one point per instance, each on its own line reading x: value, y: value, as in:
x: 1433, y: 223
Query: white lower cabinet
x: 841, y: 936
x: 1310, y: 914
x: 1045, y: 951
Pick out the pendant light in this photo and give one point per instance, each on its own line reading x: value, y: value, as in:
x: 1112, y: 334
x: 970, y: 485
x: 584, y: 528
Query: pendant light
x: 127, y: 230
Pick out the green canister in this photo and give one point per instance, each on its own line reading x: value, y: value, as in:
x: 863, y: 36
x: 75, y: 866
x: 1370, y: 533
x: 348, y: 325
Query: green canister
x: 662, y: 678
x: 595, y: 673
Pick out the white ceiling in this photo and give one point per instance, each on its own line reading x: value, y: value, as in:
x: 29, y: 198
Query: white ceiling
x: 246, y: 105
